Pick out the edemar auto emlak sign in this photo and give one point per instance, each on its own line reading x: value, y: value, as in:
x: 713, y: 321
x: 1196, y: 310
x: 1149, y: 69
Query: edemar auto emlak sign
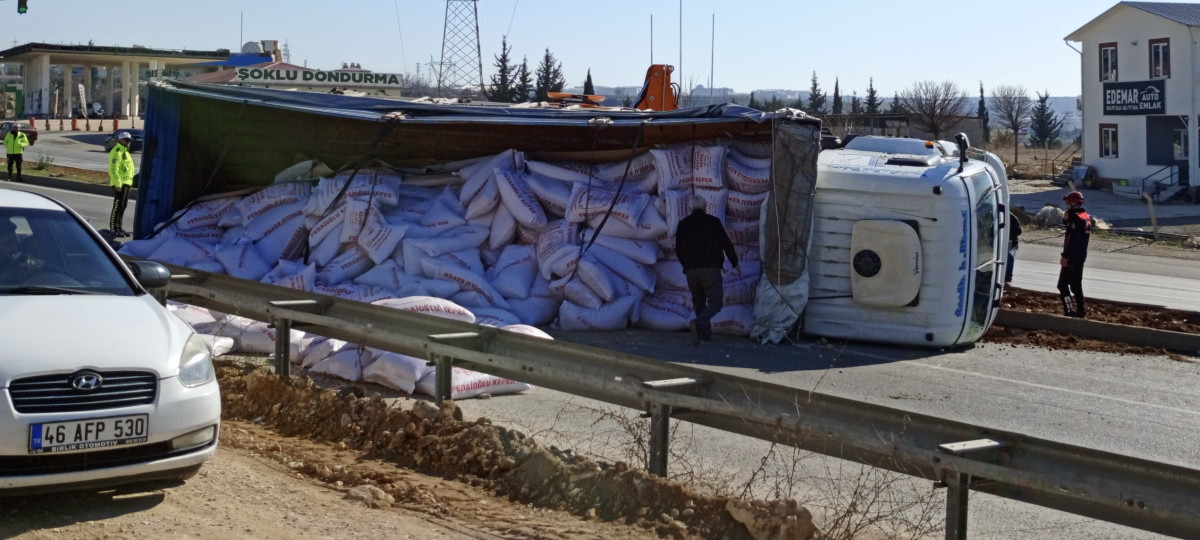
x: 304, y: 77
x: 1141, y: 97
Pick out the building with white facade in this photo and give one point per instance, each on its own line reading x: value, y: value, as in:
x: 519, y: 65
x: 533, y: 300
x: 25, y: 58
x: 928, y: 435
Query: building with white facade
x: 1139, y: 64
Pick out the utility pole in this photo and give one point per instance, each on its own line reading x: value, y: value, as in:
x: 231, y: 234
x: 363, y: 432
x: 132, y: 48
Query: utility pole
x: 462, y: 61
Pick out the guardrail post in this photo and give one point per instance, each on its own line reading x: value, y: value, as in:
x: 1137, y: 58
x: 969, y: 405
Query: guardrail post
x: 660, y: 432
x: 283, y: 347
x: 958, y: 485
x: 957, y: 490
x: 442, y: 379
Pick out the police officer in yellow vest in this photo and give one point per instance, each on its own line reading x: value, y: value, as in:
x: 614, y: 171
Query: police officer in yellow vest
x: 14, y: 149
x: 120, y: 177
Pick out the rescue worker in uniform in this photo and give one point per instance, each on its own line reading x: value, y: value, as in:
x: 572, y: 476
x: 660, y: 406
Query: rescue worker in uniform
x: 702, y: 246
x: 14, y: 150
x: 120, y: 178
x: 1075, y: 244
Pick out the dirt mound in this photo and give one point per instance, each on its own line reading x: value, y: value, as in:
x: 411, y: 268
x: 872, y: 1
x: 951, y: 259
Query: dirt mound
x: 437, y: 441
x: 1098, y: 310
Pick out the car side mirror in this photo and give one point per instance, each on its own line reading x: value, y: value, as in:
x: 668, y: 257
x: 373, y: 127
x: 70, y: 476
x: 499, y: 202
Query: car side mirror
x: 150, y: 274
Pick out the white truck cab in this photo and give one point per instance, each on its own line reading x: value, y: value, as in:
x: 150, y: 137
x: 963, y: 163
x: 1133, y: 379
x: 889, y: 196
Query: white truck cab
x: 909, y: 242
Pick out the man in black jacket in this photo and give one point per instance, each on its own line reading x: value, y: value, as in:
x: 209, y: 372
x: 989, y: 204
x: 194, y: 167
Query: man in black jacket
x: 1014, y: 233
x: 1075, y: 244
x: 702, y: 246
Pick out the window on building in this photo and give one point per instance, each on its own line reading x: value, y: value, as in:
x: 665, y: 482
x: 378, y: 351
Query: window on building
x: 1180, y: 144
x: 1108, y: 62
x: 1108, y: 140
x: 1160, y: 58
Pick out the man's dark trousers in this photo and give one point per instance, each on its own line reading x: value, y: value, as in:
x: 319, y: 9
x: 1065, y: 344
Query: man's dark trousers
x: 15, y: 159
x: 707, y: 296
x: 1070, y: 282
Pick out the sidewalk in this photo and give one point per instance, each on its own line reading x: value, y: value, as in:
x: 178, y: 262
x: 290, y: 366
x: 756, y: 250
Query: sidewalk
x: 1117, y: 211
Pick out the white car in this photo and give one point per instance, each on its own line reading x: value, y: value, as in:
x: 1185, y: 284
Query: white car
x: 102, y: 385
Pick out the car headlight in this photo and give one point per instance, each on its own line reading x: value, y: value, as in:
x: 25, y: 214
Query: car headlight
x: 195, y: 363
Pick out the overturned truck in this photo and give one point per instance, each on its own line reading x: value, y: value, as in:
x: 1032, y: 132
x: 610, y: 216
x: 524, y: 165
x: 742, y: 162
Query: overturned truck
x: 524, y: 216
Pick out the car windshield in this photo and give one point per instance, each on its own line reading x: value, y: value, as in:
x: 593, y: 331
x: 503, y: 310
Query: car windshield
x: 986, y: 253
x: 49, y: 252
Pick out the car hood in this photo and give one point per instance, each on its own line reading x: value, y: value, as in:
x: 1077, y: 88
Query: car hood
x: 48, y: 334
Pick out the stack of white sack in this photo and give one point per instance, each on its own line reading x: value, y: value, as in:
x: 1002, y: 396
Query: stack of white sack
x: 510, y: 240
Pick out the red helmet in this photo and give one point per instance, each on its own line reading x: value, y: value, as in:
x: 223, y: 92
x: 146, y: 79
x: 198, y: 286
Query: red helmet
x: 1074, y: 196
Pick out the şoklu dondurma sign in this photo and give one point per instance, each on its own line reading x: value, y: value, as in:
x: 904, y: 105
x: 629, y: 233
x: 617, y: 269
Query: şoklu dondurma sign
x: 306, y: 77
x: 1141, y: 97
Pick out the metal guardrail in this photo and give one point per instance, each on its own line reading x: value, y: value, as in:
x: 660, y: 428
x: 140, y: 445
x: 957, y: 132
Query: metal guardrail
x: 1120, y: 489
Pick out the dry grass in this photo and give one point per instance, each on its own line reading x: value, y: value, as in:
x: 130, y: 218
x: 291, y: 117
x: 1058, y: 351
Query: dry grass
x: 1031, y: 162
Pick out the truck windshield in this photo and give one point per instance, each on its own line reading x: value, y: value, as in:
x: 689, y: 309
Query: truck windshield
x: 985, y: 253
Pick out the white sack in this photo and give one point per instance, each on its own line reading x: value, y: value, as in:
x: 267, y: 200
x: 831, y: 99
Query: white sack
x: 661, y: 314
x: 513, y: 273
x: 562, y: 170
x: 636, y: 250
x: 183, y: 252
x: 527, y: 330
x: 397, y: 371
x: 650, y: 225
x: 746, y: 178
x: 581, y: 295
x: 345, y: 364
x: 466, y: 384
x: 318, y: 349
x: 205, y: 214
x: 540, y: 307
x: 468, y: 281
x: 504, y: 229
x: 495, y: 317
x: 611, y: 316
x: 674, y: 205
x: 518, y: 198
x: 379, y: 238
x: 346, y: 266
x: 428, y: 305
x: 592, y: 201
x: 745, y: 206
x: 674, y: 168
x: 553, y: 195
x: 714, y: 201
x: 642, y: 276
x: 734, y: 320
x: 670, y: 275
x: 264, y: 201
x: 243, y: 261
x: 596, y: 276
x: 708, y: 164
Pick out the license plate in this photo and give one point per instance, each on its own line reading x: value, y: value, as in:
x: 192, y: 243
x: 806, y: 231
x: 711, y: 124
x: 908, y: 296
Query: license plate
x: 89, y: 434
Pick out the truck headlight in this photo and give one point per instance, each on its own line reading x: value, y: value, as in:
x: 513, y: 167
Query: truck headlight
x: 195, y: 363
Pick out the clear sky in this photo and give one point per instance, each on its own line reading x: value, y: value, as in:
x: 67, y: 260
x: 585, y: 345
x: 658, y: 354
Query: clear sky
x: 763, y: 44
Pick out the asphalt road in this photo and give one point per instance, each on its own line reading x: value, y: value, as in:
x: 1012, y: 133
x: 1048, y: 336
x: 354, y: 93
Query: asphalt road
x: 77, y: 149
x: 1143, y: 406
x: 1115, y: 276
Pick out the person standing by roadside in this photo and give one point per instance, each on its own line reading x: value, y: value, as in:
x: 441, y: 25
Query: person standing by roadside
x: 14, y: 150
x: 1075, y: 244
x: 1014, y: 232
x: 702, y: 246
x: 120, y: 177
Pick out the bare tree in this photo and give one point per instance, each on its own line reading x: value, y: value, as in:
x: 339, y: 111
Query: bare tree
x: 1012, y: 106
x: 936, y: 107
